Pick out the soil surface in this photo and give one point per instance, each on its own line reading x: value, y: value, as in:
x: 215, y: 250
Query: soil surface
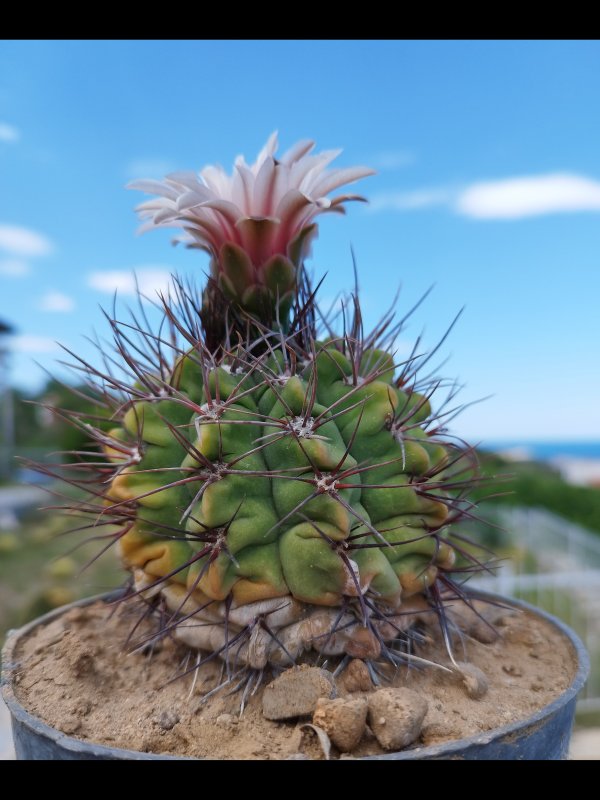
x: 78, y: 675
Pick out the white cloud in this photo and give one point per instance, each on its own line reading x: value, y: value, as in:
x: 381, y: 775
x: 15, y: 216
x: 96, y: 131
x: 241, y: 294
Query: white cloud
x: 410, y: 201
x: 14, y: 268
x: 392, y: 159
x: 8, y: 133
x: 149, y: 168
x: 29, y: 343
x: 149, y: 280
x: 508, y: 198
x: 23, y: 241
x: 528, y: 196
x: 56, y: 301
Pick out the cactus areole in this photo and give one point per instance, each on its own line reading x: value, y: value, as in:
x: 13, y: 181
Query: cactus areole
x: 274, y: 478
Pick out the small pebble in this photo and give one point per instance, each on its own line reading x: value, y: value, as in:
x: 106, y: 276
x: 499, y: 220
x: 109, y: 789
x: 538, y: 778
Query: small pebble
x: 167, y: 720
x: 343, y: 720
x: 511, y: 669
x: 478, y: 626
x: 396, y: 716
x: 296, y: 691
x: 356, y: 677
x: 227, y: 720
x: 472, y: 679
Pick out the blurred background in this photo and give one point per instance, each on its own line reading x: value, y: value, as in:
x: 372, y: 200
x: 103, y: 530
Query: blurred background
x: 487, y: 187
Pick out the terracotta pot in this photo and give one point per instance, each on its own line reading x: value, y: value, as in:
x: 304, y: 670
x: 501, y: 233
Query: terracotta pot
x: 543, y: 736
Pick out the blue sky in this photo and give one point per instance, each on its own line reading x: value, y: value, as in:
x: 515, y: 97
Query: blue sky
x: 488, y: 185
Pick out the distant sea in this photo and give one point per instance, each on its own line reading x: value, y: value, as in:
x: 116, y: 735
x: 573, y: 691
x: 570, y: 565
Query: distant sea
x: 545, y: 451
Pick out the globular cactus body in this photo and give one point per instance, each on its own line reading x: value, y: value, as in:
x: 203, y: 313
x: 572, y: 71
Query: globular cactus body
x: 312, y: 485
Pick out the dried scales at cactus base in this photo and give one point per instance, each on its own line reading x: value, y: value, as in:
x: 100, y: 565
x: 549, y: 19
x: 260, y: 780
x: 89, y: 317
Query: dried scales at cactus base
x: 274, y: 478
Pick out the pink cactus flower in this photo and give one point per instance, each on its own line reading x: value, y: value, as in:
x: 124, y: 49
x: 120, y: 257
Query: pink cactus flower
x: 257, y: 224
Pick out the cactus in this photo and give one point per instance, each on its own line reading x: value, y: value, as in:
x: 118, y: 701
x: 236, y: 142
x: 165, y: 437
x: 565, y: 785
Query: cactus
x: 280, y: 490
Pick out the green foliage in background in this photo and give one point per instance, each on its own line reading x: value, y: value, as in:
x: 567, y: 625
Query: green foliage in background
x: 38, y: 428
x: 538, y: 485
x: 40, y: 547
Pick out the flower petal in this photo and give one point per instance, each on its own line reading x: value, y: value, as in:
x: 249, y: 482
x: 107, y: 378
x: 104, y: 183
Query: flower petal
x: 268, y: 150
x: 292, y: 208
x: 228, y: 210
x: 338, y: 177
x: 300, y: 247
x: 297, y: 151
x: 165, y: 215
x: 154, y: 187
x: 310, y: 168
x: 188, y: 179
x: 346, y: 198
x: 217, y: 180
x: 194, y: 198
x: 291, y: 204
x: 258, y: 237
x: 264, y: 186
x: 248, y: 181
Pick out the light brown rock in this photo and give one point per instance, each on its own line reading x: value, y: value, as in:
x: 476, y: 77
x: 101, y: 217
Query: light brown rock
x: 356, y: 678
x: 226, y: 720
x: 518, y: 630
x: 473, y: 680
x: 296, y: 691
x: 480, y: 626
x: 363, y: 644
x: 343, y: 720
x: 396, y: 716
x: 167, y: 720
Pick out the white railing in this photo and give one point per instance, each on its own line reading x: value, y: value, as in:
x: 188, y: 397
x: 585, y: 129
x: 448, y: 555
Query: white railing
x: 560, y: 572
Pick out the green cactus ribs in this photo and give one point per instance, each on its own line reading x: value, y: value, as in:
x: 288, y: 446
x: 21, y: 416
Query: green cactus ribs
x: 287, y: 497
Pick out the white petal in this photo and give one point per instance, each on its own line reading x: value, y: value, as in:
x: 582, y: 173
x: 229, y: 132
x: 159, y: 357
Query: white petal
x: 194, y: 198
x: 262, y: 200
x: 268, y: 150
x: 240, y: 161
x: 248, y: 182
x: 292, y: 211
x: 346, y: 198
x: 339, y: 177
x: 218, y: 181
x: 230, y: 211
x: 297, y: 151
x: 164, y: 215
x: 155, y: 204
x: 313, y: 165
x: 202, y: 239
x: 146, y: 226
x: 209, y: 231
x: 153, y: 187
x: 188, y: 179
x: 281, y: 185
x: 293, y: 202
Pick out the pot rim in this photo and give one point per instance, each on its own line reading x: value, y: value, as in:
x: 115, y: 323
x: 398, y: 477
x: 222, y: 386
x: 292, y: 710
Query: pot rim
x: 17, y: 710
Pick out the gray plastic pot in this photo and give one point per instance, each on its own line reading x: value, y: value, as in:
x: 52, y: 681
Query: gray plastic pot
x: 543, y: 736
